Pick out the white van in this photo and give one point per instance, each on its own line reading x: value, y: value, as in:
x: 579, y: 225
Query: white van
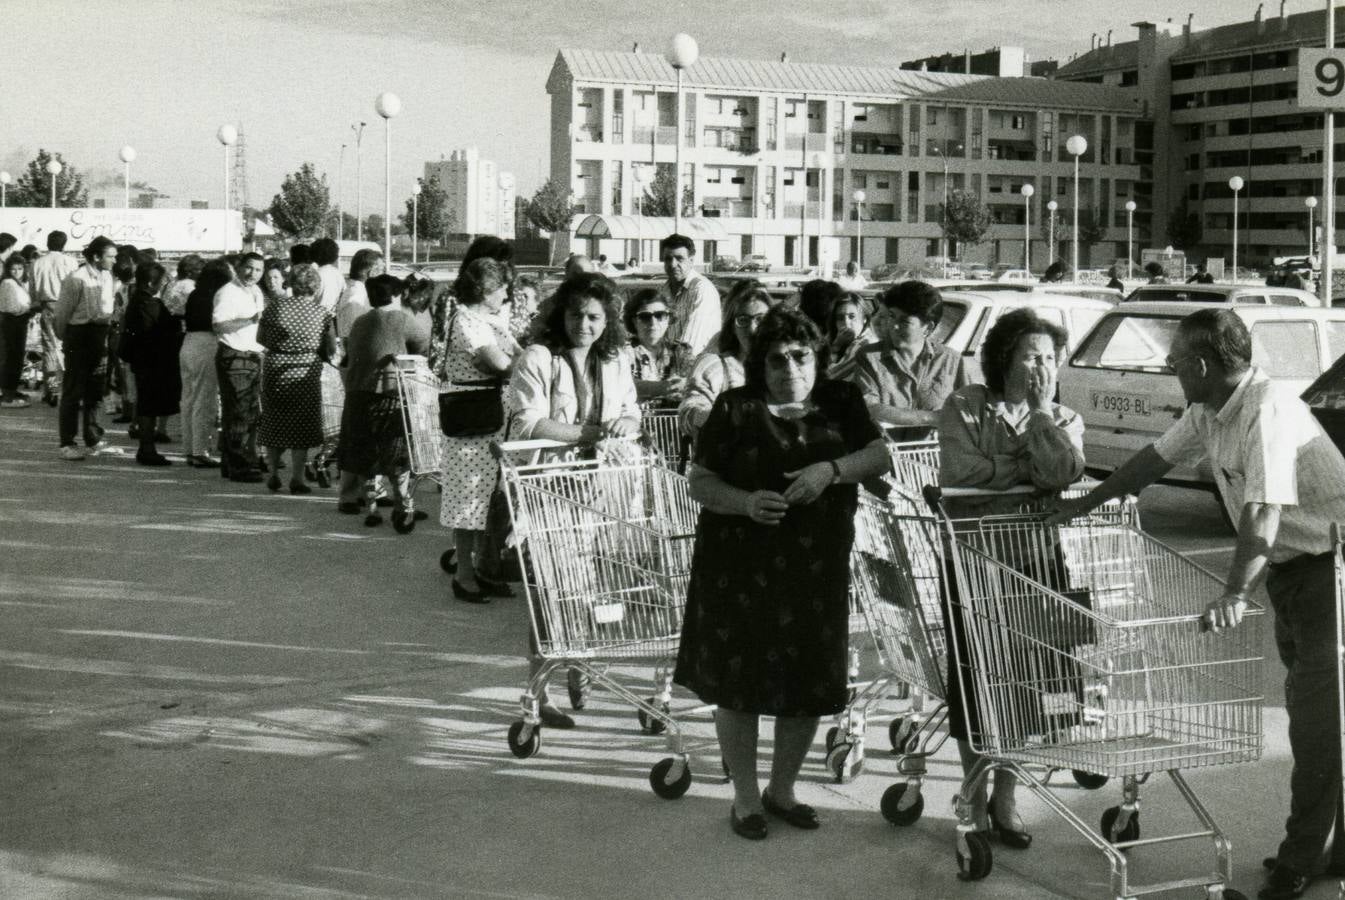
x: 1119, y: 382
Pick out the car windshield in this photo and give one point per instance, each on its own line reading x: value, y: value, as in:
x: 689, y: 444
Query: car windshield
x: 1128, y: 343
x: 953, y: 314
x: 1178, y: 295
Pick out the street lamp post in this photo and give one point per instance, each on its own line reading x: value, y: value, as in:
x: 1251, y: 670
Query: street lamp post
x: 859, y: 197
x: 387, y: 105
x: 415, y: 223
x: 359, y: 183
x: 227, y: 136
x: 1130, y: 237
x: 5, y: 179
x: 128, y: 156
x: 53, y: 169
x: 340, y: 186
x: 1051, y: 207
x: 1311, y: 204
x: 1077, y: 145
x: 1236, y: 184
x: 1027, y: 190
x: 681, y: 55
x: 943, y: 223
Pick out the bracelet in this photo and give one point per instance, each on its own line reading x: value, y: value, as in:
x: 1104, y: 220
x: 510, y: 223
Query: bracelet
x: 835, y: 471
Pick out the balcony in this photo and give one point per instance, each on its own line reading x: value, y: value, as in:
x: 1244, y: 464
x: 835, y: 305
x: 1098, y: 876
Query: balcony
x: 810, y: 210
x: 721, y: 207
x: 950, y: 148
x: 817, y: 141
x: 739, y: 140
x: 875, y: 143
x: 588, y: 134
x: 1012, y: 150
x: 663, y: 134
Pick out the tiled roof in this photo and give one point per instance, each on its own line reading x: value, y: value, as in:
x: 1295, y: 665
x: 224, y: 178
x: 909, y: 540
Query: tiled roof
x: 1305, y: 28
x: 1041, y: 92
x: 1103, y: 59
x: 754, y: 75
x: 757, y: 75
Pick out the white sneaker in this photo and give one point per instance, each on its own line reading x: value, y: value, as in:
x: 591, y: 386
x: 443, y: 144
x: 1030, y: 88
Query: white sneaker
x: 72, y: 452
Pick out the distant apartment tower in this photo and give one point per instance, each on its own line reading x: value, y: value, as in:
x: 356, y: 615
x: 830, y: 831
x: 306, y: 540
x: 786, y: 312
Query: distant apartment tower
x: 1221, y: 102
x: 480, y: 196
x: 1002, y: 62
x: 773, y: 152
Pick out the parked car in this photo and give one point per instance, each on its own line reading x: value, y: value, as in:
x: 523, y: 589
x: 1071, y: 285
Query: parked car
x: 725, y: 264
x: 402, y: 270
x: 755, y: 262
x: 1020, y: 276
x: 440, y: 271
x: 1119, y: 382
x: 1222, y: 293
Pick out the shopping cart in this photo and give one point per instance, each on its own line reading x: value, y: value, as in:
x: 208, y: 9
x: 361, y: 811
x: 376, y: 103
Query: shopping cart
x: 663, y: 433
x: 333, y: 404
x: 418, y: 392
x: 606, y: 547
x: 1079, y: 649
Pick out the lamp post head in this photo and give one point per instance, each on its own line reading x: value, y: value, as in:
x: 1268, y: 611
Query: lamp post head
x: 859, y: 196
x: 683, y: 51
x: 6, y: 178
x: 388, y: 104
x: 1052, y: 206
x: 1309, y: 202
x: 1236, y: 183
x: 127, y: 154
x: 227, y: 135
x: 54, y: 168
x: 1027, y: 190
x: 1130, y: 206
x: 1077, y: 145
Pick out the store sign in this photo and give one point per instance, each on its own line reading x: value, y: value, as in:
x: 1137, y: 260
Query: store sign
x: 1321, y: 79
x: 166, y: 230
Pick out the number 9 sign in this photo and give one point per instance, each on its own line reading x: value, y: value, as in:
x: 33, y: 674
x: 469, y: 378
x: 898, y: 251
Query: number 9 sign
x: 1321, y: 79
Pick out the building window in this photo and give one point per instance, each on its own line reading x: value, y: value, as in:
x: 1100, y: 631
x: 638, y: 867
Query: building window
x: 792, y: 108
x: 931, y: 115
x: 859, y: 179
x: 1017, y: 123
x: 882, y: 184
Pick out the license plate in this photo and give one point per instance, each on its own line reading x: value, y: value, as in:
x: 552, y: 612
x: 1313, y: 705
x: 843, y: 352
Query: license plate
x: 1121, y: 405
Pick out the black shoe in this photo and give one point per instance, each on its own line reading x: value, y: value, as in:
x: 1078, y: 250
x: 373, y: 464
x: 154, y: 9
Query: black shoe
x: 1284, y: 883
x: 298, y: 488
x: 469, y: 596
x: 420, y: 515
x: 350, y: 508
x: 152, y: 459
x: 800, y: 815
x: 247, y: 476
x: 373, y: 519
x: 492, y: 588
x: 554, y: 718
x: 122, y: 419
x: 384, y: 501
x: 752, y: 827
x: 273, y: 483
x: 1014, y: 840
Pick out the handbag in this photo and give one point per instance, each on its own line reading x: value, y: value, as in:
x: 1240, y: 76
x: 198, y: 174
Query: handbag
x: 472, y: 413
x: 126, y: 345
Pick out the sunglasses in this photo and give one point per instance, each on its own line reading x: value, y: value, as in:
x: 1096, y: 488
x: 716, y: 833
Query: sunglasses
x: 780, y: 359
x: 748, y: 321
x: 657, y: 315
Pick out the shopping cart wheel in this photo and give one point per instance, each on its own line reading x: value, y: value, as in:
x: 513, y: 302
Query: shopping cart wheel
x: 845, y: 761
x: 577, y: 683
x: 1130, y: 831
x: 322, y: 476
x: 1088, y: 780
x: 832, y: 733
x: 524, y: 746
x: 974, y: 859
x: 448, y: 561
x: 900, y: 732
x: 902, y: 805
x: 649, y: 724
x: 1227, y: 894
x: 658, y: 778
x: 403, y: 522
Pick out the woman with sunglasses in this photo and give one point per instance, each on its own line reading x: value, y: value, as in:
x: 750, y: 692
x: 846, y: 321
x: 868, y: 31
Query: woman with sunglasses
x: 659, y: 364
x: 766, y: 627
x: 717, y: 371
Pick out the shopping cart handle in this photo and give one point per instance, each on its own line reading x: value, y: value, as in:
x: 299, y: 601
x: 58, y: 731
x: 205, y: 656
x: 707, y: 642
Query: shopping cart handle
x: 500, y: 449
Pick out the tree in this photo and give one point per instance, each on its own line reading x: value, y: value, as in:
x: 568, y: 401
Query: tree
x: 551, y: 210
x: 1092, y: 229
x: 33, y: 186
x: 659, y: 202
x: 303, y: 206
x: 965, y: 218
x: 347, y: 229
x: 373, y: 228
x: 1184, y: 228
x: 434, y: 219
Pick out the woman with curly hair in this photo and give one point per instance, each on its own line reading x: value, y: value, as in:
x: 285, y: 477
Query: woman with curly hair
x: 660, y: 365
x: 719, y: 371
x: 776, y: 470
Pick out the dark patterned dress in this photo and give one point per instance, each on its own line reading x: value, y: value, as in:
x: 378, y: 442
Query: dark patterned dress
x: 297, y: 334
x: 766, y: 627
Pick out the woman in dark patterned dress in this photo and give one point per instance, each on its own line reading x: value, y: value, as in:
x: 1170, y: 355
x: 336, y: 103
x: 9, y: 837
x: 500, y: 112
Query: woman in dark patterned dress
x: 298, y: 335
x: 766, y: 628
x: 156, y: 338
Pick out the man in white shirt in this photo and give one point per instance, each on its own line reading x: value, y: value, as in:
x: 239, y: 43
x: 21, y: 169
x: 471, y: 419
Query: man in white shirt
x: 692, y: 300
x: 853, y: 279
x: 81, y: 320
x: 238, y: 365
x: 48, y: 273
x: 324, y: 253
x: 354, y: 302
x: 1282, y: 481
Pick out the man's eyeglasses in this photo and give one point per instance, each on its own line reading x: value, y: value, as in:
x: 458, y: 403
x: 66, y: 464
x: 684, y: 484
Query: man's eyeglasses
x: 657, y: 315
x: 746, y: 321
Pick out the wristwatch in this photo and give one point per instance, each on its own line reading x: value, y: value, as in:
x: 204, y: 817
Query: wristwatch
x: 835, y: 471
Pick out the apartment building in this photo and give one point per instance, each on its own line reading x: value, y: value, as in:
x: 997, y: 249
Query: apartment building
x: 480, y: 196
x: 1222, y: 102
x: 773, y: 152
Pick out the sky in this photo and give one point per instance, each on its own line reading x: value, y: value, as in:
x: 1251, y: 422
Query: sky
x: 89, y: 76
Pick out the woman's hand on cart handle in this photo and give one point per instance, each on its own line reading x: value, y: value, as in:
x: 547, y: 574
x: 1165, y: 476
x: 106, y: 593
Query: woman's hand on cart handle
x: 1226, y: 612
x: 623, y: 428
x: 1068, y: 510
x: 809, y: 482
x: 766, y: 507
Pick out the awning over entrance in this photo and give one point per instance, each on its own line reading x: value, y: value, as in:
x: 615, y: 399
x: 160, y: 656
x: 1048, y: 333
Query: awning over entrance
x: 648, y: 228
